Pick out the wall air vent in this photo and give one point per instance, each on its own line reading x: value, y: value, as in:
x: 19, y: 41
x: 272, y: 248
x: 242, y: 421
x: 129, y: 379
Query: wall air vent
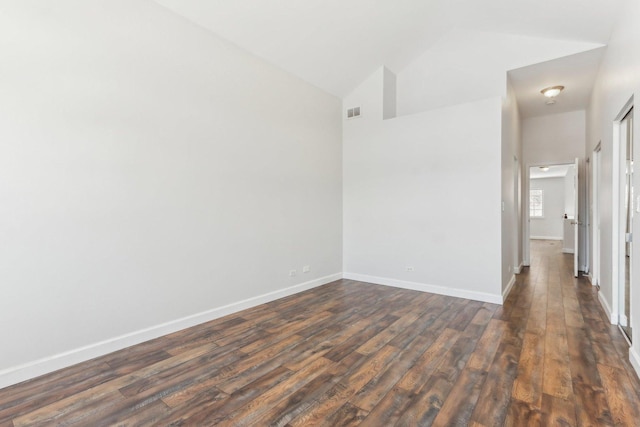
x: 353, y: 113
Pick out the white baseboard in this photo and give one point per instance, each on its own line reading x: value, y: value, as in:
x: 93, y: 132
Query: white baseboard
x: 508, y: 289
x: 613, y: 318
x: 518, y: 269
x: 567, y: 250
x: 634, y: 358
x: 545, y: 238
x: 623, y: 320
x: 52, y: 363
x: 434, y: 289
x: 590, y: 278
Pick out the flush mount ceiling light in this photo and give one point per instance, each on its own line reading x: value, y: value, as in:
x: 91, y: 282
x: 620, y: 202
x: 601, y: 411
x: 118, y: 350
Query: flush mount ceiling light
x: 544, y: 168
x: 552, y: 92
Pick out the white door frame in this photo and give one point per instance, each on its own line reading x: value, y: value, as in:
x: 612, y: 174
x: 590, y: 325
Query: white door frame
x: 517, y: 213
x: 577, y: 218
x: 618, y: 241
x: 526, y: 229
x: 595, y: 215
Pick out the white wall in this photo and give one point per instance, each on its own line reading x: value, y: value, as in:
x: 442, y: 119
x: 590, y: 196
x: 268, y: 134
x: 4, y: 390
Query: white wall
x: 553, y: 139
x: 422, y: 191
x: 551, y: 226
x: 556, y: 139
x: 149, y: 171
x: 618, y: 81
x: 511, y: 189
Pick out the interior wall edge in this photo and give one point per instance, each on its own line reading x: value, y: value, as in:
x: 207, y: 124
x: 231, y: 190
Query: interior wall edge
x: 29, y: 370
x: 518, y: 268
x: 509, y: 287
x: 424, y: 287
x: 613, y: 317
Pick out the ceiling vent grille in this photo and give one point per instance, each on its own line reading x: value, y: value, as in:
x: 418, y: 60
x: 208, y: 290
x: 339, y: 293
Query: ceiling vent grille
x: 353, y: 113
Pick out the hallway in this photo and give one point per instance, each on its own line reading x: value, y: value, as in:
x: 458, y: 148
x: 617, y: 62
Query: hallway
x: 573, y: 365
x: 352, y: 353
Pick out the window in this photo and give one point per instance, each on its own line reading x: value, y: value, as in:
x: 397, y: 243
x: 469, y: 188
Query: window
x: 536, y: 203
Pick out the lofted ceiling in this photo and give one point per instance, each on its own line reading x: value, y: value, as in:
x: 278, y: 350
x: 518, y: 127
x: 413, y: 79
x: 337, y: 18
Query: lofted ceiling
x: 335, y: 44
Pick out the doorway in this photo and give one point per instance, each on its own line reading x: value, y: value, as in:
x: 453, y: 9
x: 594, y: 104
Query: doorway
x: 553, y: 207
x: 626, y: 202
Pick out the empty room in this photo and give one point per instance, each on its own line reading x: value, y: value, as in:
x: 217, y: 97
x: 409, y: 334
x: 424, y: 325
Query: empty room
x: 376, y: 213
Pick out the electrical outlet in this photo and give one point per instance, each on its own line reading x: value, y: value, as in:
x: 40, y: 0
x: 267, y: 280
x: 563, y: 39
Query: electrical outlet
x: 292, y: 273
x: 306, y: 269
x: 408, y: 268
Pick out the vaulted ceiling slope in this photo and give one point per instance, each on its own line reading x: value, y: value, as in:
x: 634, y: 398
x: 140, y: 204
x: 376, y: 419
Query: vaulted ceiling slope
x: 335, y: 44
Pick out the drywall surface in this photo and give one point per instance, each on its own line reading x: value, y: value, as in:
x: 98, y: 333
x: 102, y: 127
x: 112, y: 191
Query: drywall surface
x: 550, y: 226
x: 511, y: 189
x: 150, y: 171
x: 422, y: 193
x: 617, y: 83
x: 553, y: 139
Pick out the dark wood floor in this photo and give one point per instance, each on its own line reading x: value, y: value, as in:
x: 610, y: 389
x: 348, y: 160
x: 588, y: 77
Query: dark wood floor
x: 352, y: 353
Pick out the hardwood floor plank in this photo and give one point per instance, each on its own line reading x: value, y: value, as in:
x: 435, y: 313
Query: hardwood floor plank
x: 591, y: 406
x: 248, y: 413
x: 458, y: 407
x: 527, y: 386
x: 149, y: 415
x: 346, y: 388
x: 301, y: 400
x: 205, y: 402
x: 521, y: 413
x: 486, y: 348
x: 71, y: 410
x: 374, y: 391
x: 347, y: 415
x: 492, y: 405
x: 424, y: 367
x: 351, y: 344
x: 621, y: 396
x: 199, y: 411
x: 485, y: 314
x: 557, y: 411
x: 390, y: 408
x: 424, y: 406
x: 26, y: 397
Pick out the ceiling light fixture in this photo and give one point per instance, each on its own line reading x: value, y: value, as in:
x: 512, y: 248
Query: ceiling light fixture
x: 552, y: 92
x: 544, y: 168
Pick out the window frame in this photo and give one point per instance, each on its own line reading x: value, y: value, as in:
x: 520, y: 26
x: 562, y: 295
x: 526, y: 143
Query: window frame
x: 541, y: 209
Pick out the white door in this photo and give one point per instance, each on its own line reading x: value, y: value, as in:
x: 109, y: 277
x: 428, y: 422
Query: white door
x: 576, y: 222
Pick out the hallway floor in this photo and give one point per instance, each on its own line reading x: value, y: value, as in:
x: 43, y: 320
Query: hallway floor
x: 573, y: 363
x: 351, y: 353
